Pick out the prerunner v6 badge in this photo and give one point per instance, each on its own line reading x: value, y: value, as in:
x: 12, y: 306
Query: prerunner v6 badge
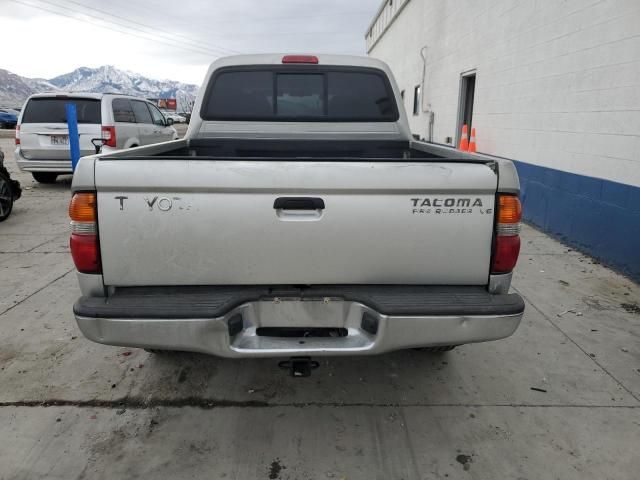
x: 449, y: 206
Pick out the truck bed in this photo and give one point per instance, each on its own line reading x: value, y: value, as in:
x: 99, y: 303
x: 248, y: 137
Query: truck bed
x: 339, y: 150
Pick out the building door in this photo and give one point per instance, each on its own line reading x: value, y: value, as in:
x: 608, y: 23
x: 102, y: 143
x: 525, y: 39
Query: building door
x: 465, y: 104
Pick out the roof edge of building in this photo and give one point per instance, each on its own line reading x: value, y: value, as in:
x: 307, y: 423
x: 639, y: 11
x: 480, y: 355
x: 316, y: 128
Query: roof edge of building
x: 376, y: 16
x: 387, y: 26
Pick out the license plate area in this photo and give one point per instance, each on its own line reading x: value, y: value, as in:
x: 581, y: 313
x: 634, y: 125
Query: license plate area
x: 296, y: 313
x: 59, y: 139
x: 291, y: 325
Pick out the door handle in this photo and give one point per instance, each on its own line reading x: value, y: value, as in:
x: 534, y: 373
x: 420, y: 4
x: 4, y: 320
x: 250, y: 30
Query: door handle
x: 298, y: 203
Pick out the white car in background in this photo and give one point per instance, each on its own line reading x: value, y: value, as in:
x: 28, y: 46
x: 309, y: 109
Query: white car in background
x: 122, y: 121
x: 169, y: 115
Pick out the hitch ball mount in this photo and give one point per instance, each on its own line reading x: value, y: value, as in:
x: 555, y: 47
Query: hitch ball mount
x: 299, y: 366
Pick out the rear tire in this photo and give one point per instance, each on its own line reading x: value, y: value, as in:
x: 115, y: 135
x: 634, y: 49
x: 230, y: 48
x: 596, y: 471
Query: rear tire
x: 44, y: 177
x: 441, y: 349
x: 157, y: 351
x: 6, y: 197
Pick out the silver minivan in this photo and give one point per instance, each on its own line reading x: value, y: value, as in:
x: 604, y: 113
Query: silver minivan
x: 122, y: 121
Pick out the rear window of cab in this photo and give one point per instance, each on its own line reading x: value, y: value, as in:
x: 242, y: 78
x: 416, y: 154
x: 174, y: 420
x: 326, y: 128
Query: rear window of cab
x: 285, y: 93
x: 52, y: 110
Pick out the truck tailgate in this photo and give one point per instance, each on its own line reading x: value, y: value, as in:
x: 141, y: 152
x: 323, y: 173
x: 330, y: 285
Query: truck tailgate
x: 249, y: 222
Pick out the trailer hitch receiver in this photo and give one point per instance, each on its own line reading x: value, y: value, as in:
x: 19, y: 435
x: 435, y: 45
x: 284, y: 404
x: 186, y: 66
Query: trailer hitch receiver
x: 299, y: 366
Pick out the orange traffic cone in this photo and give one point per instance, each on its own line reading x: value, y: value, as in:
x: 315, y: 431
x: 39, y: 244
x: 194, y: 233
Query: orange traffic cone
x: 464, y: 139
x: 472, y: 143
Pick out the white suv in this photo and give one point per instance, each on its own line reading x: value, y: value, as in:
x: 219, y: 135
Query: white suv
x: 42, y: 136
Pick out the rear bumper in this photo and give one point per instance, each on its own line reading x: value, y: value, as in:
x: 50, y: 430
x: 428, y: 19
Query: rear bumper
x: 42, y: 165
x: 384, y: 323
x: 211, y: 336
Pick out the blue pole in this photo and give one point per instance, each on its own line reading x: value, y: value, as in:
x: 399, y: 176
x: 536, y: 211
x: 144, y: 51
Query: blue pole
x: 74, y: 138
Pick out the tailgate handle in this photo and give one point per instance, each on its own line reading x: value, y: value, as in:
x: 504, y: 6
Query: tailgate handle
x: 298, y: 203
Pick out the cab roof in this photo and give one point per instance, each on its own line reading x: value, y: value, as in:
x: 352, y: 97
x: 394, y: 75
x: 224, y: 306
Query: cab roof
x: 276, y: 59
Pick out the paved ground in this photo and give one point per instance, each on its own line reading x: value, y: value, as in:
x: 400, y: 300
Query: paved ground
x: 73, y: 409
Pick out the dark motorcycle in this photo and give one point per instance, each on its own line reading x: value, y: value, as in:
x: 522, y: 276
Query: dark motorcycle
x: 10, y: 190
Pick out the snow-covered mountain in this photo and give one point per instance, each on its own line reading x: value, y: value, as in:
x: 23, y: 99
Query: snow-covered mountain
x: 14, y: 89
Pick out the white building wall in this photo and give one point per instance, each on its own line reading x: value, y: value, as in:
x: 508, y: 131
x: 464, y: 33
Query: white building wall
x: 557, y: 82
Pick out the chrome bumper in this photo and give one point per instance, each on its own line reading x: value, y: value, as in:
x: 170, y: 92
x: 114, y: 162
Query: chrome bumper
x: 381, y: 333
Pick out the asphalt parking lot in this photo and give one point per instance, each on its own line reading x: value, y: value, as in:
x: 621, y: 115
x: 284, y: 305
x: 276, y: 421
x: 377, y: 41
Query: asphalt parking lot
x: 558, y: 400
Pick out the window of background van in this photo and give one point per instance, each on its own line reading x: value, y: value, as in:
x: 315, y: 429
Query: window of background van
x: 122, y: 111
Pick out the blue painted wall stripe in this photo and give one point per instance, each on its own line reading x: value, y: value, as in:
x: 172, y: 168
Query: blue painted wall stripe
x: 597, y: 216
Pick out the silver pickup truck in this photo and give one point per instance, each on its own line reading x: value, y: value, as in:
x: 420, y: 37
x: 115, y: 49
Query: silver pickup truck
x: 298, y: 217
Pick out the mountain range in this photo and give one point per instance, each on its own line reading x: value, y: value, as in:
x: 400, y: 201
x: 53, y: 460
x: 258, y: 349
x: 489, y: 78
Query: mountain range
x: 14, y: 89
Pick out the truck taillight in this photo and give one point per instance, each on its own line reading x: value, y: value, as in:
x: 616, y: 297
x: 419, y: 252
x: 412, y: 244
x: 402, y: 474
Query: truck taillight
x: 17, y: 134
x: 507, y: 239
x: 109, y: 135
x: 84, y: 244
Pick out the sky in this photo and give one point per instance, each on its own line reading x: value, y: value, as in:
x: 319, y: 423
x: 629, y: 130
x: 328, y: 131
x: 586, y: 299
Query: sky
x: 172, y: 39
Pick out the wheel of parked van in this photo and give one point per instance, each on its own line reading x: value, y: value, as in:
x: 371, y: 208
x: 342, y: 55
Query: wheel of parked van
x: 6, y: 197
x: 3, y: 125
x: 44, y: 177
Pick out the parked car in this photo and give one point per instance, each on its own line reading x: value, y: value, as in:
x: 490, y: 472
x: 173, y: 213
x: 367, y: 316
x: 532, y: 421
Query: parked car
x: 10, y: 190
x: 173, y: 116
x: 42, y: 136
x: 8, y: 119
x: 298, y: 217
